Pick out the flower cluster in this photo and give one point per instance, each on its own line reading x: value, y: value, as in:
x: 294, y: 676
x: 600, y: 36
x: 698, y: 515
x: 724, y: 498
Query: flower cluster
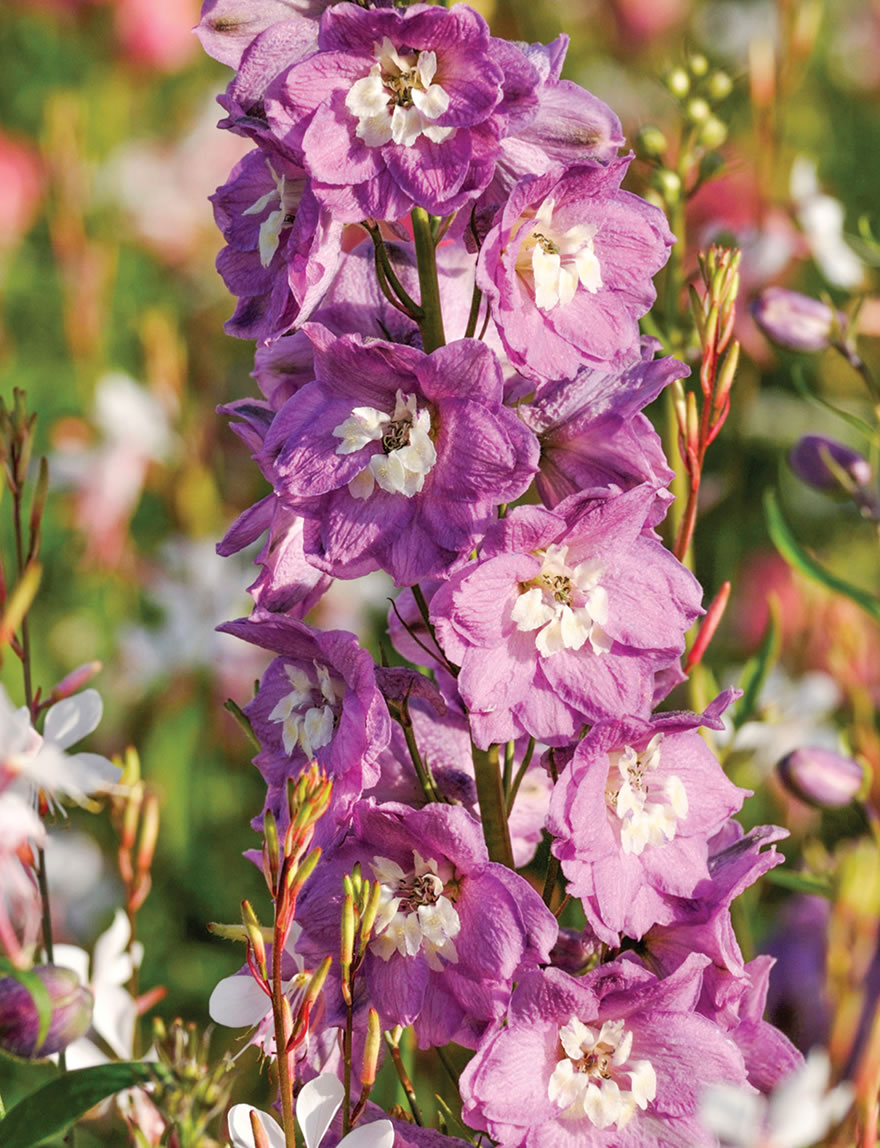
x: 431, y: 246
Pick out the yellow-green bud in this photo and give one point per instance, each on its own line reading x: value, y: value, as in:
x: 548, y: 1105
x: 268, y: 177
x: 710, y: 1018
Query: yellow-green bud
x: 713, y: 133
x: 678, y: 82
x: 698, y: 64
x: 719, y: 86
x: 651, y: 143
x: 371, y: 1050
x: 668, y: 183
x: 698, y: 110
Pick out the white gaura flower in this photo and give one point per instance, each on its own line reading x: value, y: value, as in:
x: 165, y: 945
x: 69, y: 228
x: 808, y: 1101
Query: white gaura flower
x: 316, y: 1105
x: 37, y: 762
x: 799, y: 1112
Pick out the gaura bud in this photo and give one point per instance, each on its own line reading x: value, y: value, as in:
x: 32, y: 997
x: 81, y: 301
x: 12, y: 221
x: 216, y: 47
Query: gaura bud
x: 19, y: 1016
x: 371, y: 1049
x: 797, y: 321
x: 821, y: 777
x: 74, y: 681
x: 829, y: 465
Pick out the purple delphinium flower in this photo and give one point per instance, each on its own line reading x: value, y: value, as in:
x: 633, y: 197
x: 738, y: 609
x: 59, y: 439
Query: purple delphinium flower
x: 453, y: 929
x: 797, y: 321
x: 614, y: 1059
x: 228, y: 27
x: 400, y: 108
x: 632, y: 814
x: 317, y: 700
x: 813, y: 456
x: 592, y: 432
x: 397, y: 459
x: 567, y: 268
x: 565, y: 618
x: 282, y: 247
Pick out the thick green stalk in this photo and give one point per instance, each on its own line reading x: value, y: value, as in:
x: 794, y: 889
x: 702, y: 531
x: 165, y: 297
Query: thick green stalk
x: 431, y: 323
x: 493, y: 808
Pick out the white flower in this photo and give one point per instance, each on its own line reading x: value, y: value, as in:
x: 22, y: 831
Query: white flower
x: 29, y: 760
x: 798, y: 1113
x: 316, y: 1105
x: 821, y: 218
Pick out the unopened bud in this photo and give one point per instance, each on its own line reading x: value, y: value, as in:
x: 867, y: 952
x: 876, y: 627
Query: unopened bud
x: 575, y: 951
x: 829, y: 465
x: 698, y: 64
x: 698, y: 111
x: 372, y: 1044
x: 651, y: 143
x: 75, y: 681
x: 678, y: 82
x: 797, y: 321
x: 821, y: 777
x: 668, y: 183
x: 713, y: 133
x: 71, y: 1013
x: 719, y: 86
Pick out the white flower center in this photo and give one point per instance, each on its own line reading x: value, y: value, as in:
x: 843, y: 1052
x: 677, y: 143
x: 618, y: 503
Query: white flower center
x: 307, y: 721
x: 565, y: 604
x: 595, y: 1064
x: 408, y: 455
x: 414, y: 914
x: 554, y: 263
x: 398, y: 101
x: 648, y: 814
x: 288, y: 197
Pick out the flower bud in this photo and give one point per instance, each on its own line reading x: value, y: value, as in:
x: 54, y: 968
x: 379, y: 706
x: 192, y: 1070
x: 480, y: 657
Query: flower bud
x: 678, y: 82
x: 698, y: 64
x: 713, y: 133
x: 720, y: 86
x: 651, y: 143
x: 829, y: 465
x: 698, y: 111
x: 575, y: 951
x: 796, y: 321
x: 19, y: 1016
x: 820, y: 776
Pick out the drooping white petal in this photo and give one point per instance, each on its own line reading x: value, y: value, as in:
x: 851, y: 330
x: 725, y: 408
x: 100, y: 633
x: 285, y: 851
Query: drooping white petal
x: 379, y: 1134
x: 241, y: 1134
x: 316, y: 1105
x: 238, y: 1002
x: 72, y: 719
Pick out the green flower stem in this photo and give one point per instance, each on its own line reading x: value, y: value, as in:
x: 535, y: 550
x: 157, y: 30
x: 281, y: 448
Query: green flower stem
x: 426, y: 781
x: 431, y: 322
x: 520, y: 774
x: 493, y: 809
x: 284, y: 1082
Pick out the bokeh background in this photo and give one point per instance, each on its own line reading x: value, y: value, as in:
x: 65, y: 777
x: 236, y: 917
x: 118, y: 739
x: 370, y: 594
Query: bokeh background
x: 111, y: 320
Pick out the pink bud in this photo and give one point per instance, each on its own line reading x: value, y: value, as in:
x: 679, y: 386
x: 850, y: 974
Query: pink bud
x: 821, y: 777
x: 75, y: 680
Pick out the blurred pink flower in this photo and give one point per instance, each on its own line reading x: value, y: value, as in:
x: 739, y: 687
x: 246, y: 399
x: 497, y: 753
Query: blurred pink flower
x: 21, y: 188
x: 157, y: 33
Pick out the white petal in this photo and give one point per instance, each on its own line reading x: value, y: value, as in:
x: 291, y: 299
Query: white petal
x: 238, y: 1002
x: 379, y: 1134
x: 530, y: 611
x: 316, y: 1105
x: 240, y: 1132
x: 72, y: 719
x: 362, y: 485
x: 73, y: 957
x: 111, y: 963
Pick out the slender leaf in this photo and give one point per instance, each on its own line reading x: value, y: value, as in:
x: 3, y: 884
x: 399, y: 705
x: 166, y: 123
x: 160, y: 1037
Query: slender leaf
x: 53, y: 1108
x: 800, y: 882
x: 860, y: 424
x: 795, y: 555
x: 757, y: 668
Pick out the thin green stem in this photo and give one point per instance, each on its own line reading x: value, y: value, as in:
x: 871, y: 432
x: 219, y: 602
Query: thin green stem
x: 431, y: 322
x: 509, y: 751
x: 403, y: 1077
x: 426, y: 781
x: 284, y: 1083
x: 347, y: 1053
x: 551, y: 880
x: 388, y: 280
x: 520, y: 774
x: 493, y: 810
x: 476, y: 300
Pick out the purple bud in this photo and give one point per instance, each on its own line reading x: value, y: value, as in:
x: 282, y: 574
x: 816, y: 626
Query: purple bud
x: 810, y: 458
x: 19, y: 1018
x: 821, y: 777
x: 796, y: 321
x: 575, y: 951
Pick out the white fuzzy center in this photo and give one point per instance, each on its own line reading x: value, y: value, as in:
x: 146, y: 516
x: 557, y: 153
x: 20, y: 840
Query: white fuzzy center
x: 408, y: 455
x: 649, y: 812
x: 596, y: 1077
x: 398, y: 101
x: 564, y: 604
x: 308, y: 713
x: 555, y: 263
x: 414, y: 914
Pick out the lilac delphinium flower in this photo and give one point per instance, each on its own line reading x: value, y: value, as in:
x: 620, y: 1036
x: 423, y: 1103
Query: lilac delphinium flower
x: 565, y: 618
x: 400, y: 108
x: 592, y: 432
x: 317, y: 700
x: 567, y: 268
x: 282, y: 247
x: 614, y: 1059
x: 632, y: 815
x: 453, y: 928
x: 398, y: 459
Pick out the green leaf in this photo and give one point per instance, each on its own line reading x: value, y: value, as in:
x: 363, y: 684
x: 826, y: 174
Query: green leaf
x: 794, y: 554
x: 800, y: 882
x: 53, y: 1108
x: 860, y: 424
x: 758, y: 667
